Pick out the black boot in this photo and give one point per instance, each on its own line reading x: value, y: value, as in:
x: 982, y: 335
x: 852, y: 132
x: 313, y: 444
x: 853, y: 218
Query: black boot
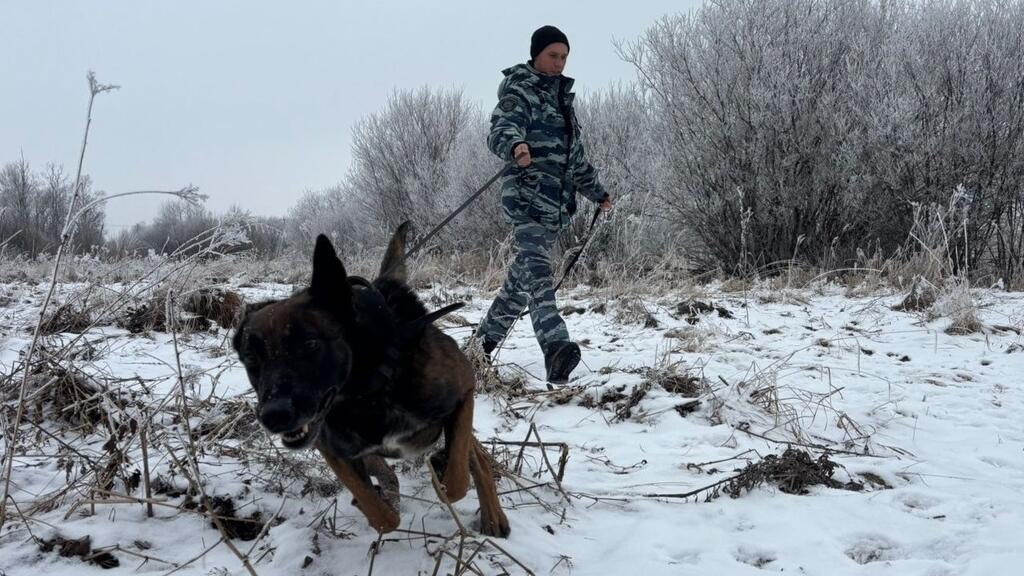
x: 488, y: 347
x: 560, y: 360
x: 478, y: 349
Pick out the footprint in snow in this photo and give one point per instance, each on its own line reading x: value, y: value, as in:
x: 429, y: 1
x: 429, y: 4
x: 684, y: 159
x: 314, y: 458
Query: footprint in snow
x: 753, y: 556
x: 868, y: 548
x: 917, y: 503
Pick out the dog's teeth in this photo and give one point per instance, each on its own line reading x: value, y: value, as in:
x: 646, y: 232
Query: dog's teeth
x: 297, y: 434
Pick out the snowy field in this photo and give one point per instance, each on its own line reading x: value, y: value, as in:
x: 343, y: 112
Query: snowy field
x: 924, y: 428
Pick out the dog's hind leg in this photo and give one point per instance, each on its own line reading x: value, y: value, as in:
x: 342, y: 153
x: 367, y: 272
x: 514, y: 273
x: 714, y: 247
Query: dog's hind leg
x: 493, y: 521
x: 393, y: 265
x: 382, y: 517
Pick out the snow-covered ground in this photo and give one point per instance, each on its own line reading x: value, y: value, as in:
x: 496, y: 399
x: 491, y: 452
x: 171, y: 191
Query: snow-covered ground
x: 929, y: 423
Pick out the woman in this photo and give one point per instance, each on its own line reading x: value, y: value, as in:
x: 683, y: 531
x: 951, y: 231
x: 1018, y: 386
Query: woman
x: 534, y: 125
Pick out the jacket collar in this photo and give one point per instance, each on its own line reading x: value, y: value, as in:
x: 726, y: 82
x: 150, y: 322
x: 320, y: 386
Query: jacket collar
x: 527, y: 74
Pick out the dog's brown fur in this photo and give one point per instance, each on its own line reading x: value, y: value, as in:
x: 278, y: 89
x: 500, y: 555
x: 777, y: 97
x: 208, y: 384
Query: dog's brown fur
x: 314, y: 360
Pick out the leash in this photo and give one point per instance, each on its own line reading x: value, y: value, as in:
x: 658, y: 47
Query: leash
x: 504, y: 170
x: 576, y: 257
x: 422, y: 241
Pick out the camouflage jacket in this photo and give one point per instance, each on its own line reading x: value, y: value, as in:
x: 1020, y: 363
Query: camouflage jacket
x: 538, y: 110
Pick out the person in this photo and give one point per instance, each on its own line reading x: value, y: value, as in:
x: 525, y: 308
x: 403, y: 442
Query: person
x: 534, y: 126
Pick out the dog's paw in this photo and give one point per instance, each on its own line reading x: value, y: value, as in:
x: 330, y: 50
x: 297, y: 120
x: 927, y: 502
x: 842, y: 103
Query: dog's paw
x: 494, y: 525
x: 385, y: 522
x: 389, y: 522
x: 384, y: 518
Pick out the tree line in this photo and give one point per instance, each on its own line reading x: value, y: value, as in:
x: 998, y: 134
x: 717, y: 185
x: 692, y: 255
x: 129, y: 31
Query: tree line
x: 756, y: 132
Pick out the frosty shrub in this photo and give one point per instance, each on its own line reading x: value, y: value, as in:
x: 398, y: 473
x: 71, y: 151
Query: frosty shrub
x: 403, y: 159
x: 826, y: 122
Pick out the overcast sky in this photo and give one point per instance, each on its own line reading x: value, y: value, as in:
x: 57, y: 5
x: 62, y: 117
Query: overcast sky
x: 254, y: 102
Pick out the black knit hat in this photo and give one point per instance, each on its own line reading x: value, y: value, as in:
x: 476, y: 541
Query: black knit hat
x: 544, y: 37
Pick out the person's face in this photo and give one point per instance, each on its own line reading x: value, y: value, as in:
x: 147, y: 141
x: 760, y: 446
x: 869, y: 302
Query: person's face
x: 551, y: 60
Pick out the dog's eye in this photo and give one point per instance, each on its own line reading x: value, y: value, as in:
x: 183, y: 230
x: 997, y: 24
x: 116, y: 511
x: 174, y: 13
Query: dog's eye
x: 254, y: 345
x: 312, y: 345
x: 252, y: 349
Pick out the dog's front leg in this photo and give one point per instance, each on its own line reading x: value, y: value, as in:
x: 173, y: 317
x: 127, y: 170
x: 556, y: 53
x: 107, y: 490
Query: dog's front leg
x: 458, y: 436
x: 381, y: 516
x: 493, y: 521
x: 387, y: 480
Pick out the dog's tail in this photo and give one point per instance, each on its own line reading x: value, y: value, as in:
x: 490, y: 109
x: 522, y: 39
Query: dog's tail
x: 393, y: 265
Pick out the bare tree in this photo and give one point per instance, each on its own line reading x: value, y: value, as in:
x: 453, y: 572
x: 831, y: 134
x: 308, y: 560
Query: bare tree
x: 401, y: 155
x: 18, y: 188
x: 176, y: 223
x: 33, y: 208
x: 336, y: 212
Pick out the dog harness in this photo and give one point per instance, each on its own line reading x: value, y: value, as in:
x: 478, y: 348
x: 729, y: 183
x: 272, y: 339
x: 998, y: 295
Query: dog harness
x: 372, y: 309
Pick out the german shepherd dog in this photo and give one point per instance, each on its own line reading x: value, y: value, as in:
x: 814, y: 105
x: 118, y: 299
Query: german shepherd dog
x: 358, y: 370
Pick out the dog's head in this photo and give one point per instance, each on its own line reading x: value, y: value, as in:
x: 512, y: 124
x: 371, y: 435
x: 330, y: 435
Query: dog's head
x: 295, y: 352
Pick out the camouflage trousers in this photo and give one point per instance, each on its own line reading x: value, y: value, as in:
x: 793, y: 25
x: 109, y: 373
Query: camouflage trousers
x: 529, y: 282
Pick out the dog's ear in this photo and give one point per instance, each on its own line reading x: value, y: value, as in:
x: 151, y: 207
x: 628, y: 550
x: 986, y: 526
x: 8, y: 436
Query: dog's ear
x: 329, y: 286
x: 393, y: 265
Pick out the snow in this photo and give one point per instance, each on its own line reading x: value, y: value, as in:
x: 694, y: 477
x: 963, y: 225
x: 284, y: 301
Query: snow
x: 934, y: 416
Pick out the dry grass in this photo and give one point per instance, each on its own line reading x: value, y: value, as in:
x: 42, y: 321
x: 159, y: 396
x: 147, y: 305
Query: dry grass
x: 676, y: 381
x: 92, y: 423
x: 633, y: 310
x: 763, y: 400
x: 243, y: 268
x: 921, y: 297
x: 691, y: 339
x: 152, y: 315
x: 793, y: 472
x: 956, y: 301
x: 218, y: 305
x: 644, y: 274
x: 99, y: 428
x: 67, y: 317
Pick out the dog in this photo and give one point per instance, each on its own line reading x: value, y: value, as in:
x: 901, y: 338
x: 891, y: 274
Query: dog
x: 357, y: 370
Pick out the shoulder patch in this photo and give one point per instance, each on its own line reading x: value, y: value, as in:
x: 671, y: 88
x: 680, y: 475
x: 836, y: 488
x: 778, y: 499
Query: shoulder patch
x: 508, y: 103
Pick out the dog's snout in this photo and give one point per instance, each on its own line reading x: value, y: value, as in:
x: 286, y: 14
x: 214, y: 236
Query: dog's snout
x: 278, y: 415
